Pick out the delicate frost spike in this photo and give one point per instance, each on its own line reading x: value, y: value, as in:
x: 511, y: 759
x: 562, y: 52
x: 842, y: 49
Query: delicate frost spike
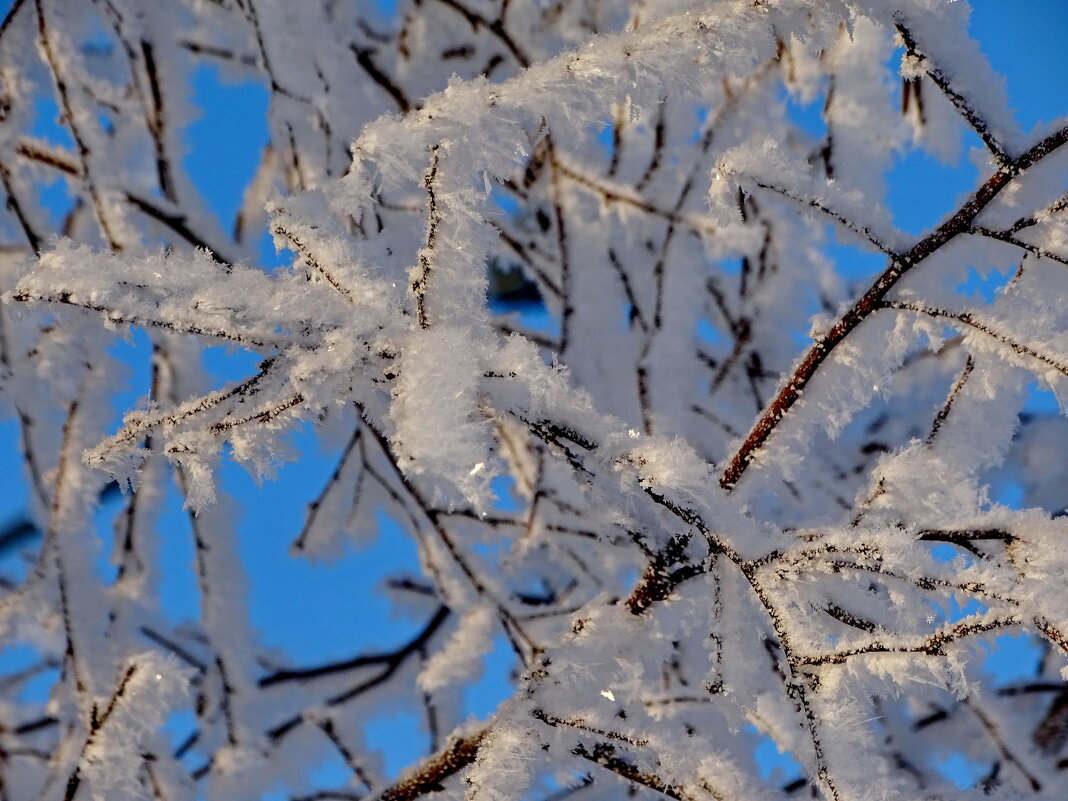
x: 505, y: 766
x: 194, y: 455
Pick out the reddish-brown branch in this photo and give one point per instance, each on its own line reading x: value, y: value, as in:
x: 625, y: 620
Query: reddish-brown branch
x: 870, y: 301
x: 429, y: 775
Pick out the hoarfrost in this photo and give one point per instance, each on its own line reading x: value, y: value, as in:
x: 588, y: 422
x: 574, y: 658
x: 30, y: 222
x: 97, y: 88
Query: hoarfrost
x: 566, y: 297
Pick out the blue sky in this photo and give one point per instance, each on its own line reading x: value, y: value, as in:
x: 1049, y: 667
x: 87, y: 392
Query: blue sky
x: 1025, y: 40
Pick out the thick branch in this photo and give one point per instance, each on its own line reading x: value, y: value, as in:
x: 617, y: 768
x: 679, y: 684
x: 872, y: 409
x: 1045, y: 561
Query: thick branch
x: 870, y: 301
x: 428, y: 775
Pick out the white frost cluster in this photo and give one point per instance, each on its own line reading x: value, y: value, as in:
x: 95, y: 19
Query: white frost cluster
x: 153, y: 687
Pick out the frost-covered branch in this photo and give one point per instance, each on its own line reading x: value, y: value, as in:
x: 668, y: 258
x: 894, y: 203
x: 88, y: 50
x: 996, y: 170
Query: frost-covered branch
x: 556, y: 293
x: 959, y: 223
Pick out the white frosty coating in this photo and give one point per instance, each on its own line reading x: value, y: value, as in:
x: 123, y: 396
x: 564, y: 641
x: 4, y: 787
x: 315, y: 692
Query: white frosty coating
x: 505, y: 765
x: 459, y: 659
x: 153, y: 686
x: 770, y: 166
x: 434, y: 410
x: 677, y: 222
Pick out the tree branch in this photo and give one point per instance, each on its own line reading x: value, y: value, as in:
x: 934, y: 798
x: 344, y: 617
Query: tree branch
x: 871, y: 301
